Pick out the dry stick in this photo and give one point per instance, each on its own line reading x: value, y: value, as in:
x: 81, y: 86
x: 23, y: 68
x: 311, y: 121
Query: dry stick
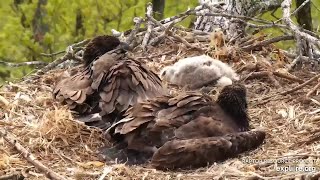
x: 53, y: 54
x: 106, y: 171
x: 260, y: 26
x: 294, y: 89
x: 14, y: 175
x: 203, y: 13
x: 137, y: 21
x: 149, y: 25
x: 313, y: 89
x: 300, y: 7
x: 175, y: 19
x: 286, y: 4
x: 267, y: 42
x: 250, y: 41
x: 157, y: 55
x: 263, y: 74
x: 60, y: 60
x: 156, y: 40
x: 185, y: 42
x: 300, y: 86
x: 29, y: 157
x: 31, y: 63
x: 288, y: 76
x: 181, y: 15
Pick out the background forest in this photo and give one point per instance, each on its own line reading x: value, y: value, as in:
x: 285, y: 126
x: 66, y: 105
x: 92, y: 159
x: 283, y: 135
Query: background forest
x: 30, y: 30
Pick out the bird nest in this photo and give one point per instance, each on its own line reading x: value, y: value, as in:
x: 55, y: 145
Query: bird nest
x: 281, y: 103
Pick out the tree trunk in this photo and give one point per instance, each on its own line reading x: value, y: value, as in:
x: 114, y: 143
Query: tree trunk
x: 158, y: 8
x: 305, y: 21
x: 79, y: 29
x: 39, y: 27
x: 304, y: 15
x: 234, y: 7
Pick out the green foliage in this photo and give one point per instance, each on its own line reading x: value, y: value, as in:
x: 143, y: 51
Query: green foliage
x: 46, y: 26
x: 278, y: 14
x: 24, y: 33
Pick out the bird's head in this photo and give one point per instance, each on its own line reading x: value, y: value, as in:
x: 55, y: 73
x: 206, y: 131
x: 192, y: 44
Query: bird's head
x: 167, y: 73
x: 232, y: 100
x: 98, y: 46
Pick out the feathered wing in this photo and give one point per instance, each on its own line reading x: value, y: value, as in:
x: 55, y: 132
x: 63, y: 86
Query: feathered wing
x: 158, y: 111
x: 153, y: 122
x: 127, y: 83
x: 76, y: 92
x: 200, y: 152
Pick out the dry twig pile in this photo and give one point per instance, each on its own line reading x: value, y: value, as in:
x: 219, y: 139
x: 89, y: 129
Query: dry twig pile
x: 284, y: 102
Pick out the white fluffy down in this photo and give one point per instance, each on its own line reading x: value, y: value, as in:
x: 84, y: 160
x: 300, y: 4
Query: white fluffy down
x: 224, y: 81
x: 197, y: 71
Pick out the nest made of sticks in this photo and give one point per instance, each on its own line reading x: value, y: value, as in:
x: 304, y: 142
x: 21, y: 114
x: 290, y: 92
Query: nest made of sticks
x: 288, y: 114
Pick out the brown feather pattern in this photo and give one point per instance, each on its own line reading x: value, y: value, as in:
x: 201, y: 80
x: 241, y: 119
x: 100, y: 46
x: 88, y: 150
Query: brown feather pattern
x: 170, y: 123
x: 192, y: 153
x: 110, y: 84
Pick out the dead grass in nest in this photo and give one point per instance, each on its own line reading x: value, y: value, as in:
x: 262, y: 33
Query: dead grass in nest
x: 47, y: 129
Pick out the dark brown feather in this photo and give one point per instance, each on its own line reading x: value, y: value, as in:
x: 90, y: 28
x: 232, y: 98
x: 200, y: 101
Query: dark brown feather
x: 126, y: 83
x: 199, y: 152
x: 152, y: 123
x: 98, y: 46
x: 76, y: 92
x: 113, y: 82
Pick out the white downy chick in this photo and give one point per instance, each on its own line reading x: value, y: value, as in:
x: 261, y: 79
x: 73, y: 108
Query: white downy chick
x: 199, y: 71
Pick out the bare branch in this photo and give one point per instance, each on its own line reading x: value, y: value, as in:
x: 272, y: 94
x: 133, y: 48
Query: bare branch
x: 149, y: 25
x: 137, y: 21
x: 286, y: 4
x: 70, y: 53
x: 267, y: 42
x: 31, y: 63
x: 29, y: 157
x: 53, y: 54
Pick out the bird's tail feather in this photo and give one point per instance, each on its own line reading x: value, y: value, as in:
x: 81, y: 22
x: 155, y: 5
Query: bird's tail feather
x: 203, y: 151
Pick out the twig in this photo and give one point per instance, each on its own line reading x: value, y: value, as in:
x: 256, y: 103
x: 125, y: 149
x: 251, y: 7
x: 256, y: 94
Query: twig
x: 137, y: 21
x: 174, y: 19
x: 260, y: 26
x: 221, y: 14
x: 247, y: 42
x: 288, y: 76
x: 181, y: 15
x: 300, y: 7
x: 106, y: 171
x: 29, y: 157
x: 293, y: 63
x: 313, y: 89
x: 53, y: 54
x: 157, y: 55
x: 286, y: 4
x: 11, y: 176
x: 291, y: 90
x: 31, y: 63
x: 267, y: 42
x: 263, y: 74
x: 185, y: 42
x: 69, y: 54
x: 149, y: 25
x: 156, y: 40
x: 301, y: 85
